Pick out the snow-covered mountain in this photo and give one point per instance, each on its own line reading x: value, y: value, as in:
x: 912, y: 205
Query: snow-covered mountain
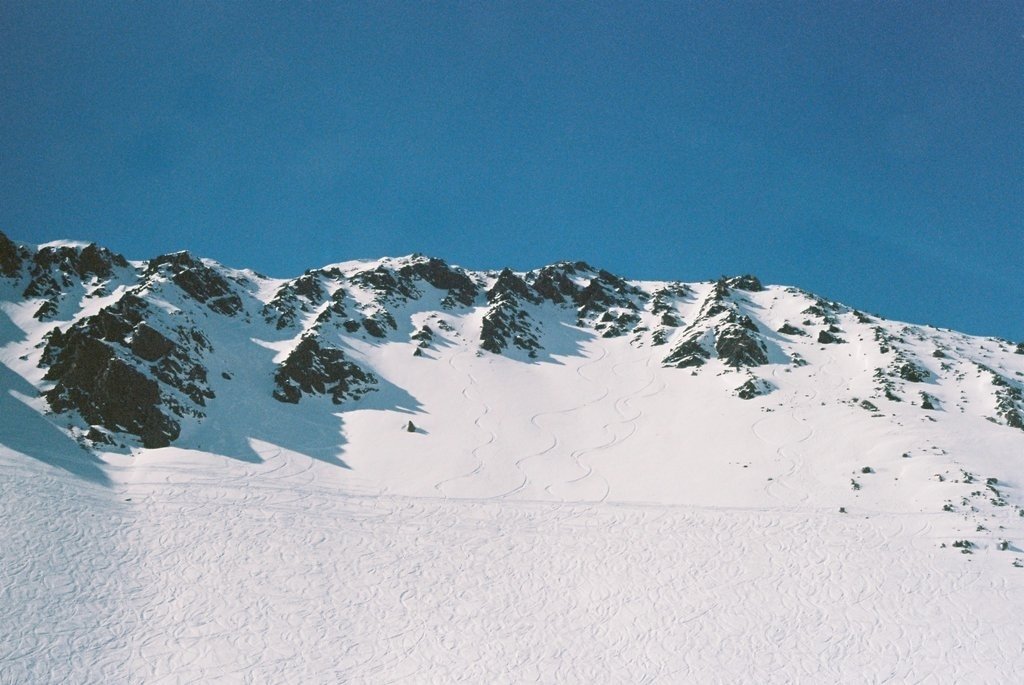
x: 563, y: 382
x: 210, y: 474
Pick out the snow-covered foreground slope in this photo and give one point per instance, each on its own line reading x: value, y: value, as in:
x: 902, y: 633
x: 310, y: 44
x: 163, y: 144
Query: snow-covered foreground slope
x: 207, y: 475
x: 191, y: 568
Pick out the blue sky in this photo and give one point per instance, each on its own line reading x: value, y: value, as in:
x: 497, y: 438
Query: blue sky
x: 873, y: 153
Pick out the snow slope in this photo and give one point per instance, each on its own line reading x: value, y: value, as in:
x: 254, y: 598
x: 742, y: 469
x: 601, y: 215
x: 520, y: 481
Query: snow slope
x: 642, y: 482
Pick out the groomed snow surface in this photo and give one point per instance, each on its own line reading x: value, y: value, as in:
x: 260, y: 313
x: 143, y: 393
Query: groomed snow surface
x: 595, y: 519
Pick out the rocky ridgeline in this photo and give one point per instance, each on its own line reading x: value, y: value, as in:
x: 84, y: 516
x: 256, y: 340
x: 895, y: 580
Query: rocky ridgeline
x: 723, y: 329
x: 130, y: 351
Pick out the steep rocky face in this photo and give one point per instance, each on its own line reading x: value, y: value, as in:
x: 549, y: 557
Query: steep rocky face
x: 107, y: 390
x: 55, y: 268
x: 11, y: 257
x: 314, y: 369
x: 199, y: 281
x: 507, y: 322
x: 460, y: 288
x: 56, y: 271
x: 300, y: 296
x: 553, y: 283
x: 738, y: 342
x: 723, y: 329
x: 119, y: 342
x: 746, y: 282
x: 606, y: 291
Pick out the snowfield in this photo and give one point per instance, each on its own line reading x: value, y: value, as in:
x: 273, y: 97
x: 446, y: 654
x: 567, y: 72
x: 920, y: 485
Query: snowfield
x: 192, y: 568
x: 606, y: 481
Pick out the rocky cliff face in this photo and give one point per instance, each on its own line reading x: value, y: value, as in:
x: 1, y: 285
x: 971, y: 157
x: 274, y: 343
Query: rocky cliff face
x: 135, y: 353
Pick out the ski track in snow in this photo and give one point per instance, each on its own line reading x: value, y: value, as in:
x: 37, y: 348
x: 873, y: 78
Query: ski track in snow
x: 484, y: 412
x: 551, y: 450
x: 198, y: 579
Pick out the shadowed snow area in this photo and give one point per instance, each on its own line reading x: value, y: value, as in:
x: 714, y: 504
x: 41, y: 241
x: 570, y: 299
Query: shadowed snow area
x: 207, y: 475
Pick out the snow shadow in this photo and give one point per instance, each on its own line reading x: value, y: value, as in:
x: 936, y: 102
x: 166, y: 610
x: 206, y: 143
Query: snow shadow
x: 313, y: 427
x: 561, y: 340
x: 25, y: 430
x: 9, y: 331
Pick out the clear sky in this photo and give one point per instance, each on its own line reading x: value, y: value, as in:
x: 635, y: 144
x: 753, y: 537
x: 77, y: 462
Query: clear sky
x: 872, y: 153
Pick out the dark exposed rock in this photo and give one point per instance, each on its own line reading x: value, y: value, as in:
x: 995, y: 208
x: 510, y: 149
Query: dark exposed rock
x: 308, y: 286
x: 909, y: 371
x: 828, y: 338
x: 99, y: 436
x: 197, y: 280
x: 47, y: 311
x: 670, y: 320
x: 1009, y: 398
x: 177, y: 363
x: 816, y: 310
x: 616, y: 325
x: 552, y: 283
x: 107, y: 391
x: 314, y: 369
x: 1019, y: 349
x: 335, y: 310
x: 505, y: 325
x: 506, y: 322
x: 886, y: 385
x: 387, y: 284
x: 148, y: 344
x: 743, y: 321
x: 754, y: 387
x: 603, y: 292
x: 53, y: 267
x: 788, y: 329
x: 374, y: 328
x: 862, y: 317
x: 98, y: 261
x: 745, y: 282
x: 738, y: 347
x: 424, y: 335
x: 509, y: 284
x: 687, y: 353
x: 11, y: 257
x: 299, y: 295
x: 443, y: 277
x: 737, y: 339
x: 621, y: 326
x: 884, y: 340
x: 661, y: 303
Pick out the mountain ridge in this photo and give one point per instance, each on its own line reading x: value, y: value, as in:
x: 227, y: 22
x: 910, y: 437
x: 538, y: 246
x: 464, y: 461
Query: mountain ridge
x: 182, y: 351
x: 112, y: 365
